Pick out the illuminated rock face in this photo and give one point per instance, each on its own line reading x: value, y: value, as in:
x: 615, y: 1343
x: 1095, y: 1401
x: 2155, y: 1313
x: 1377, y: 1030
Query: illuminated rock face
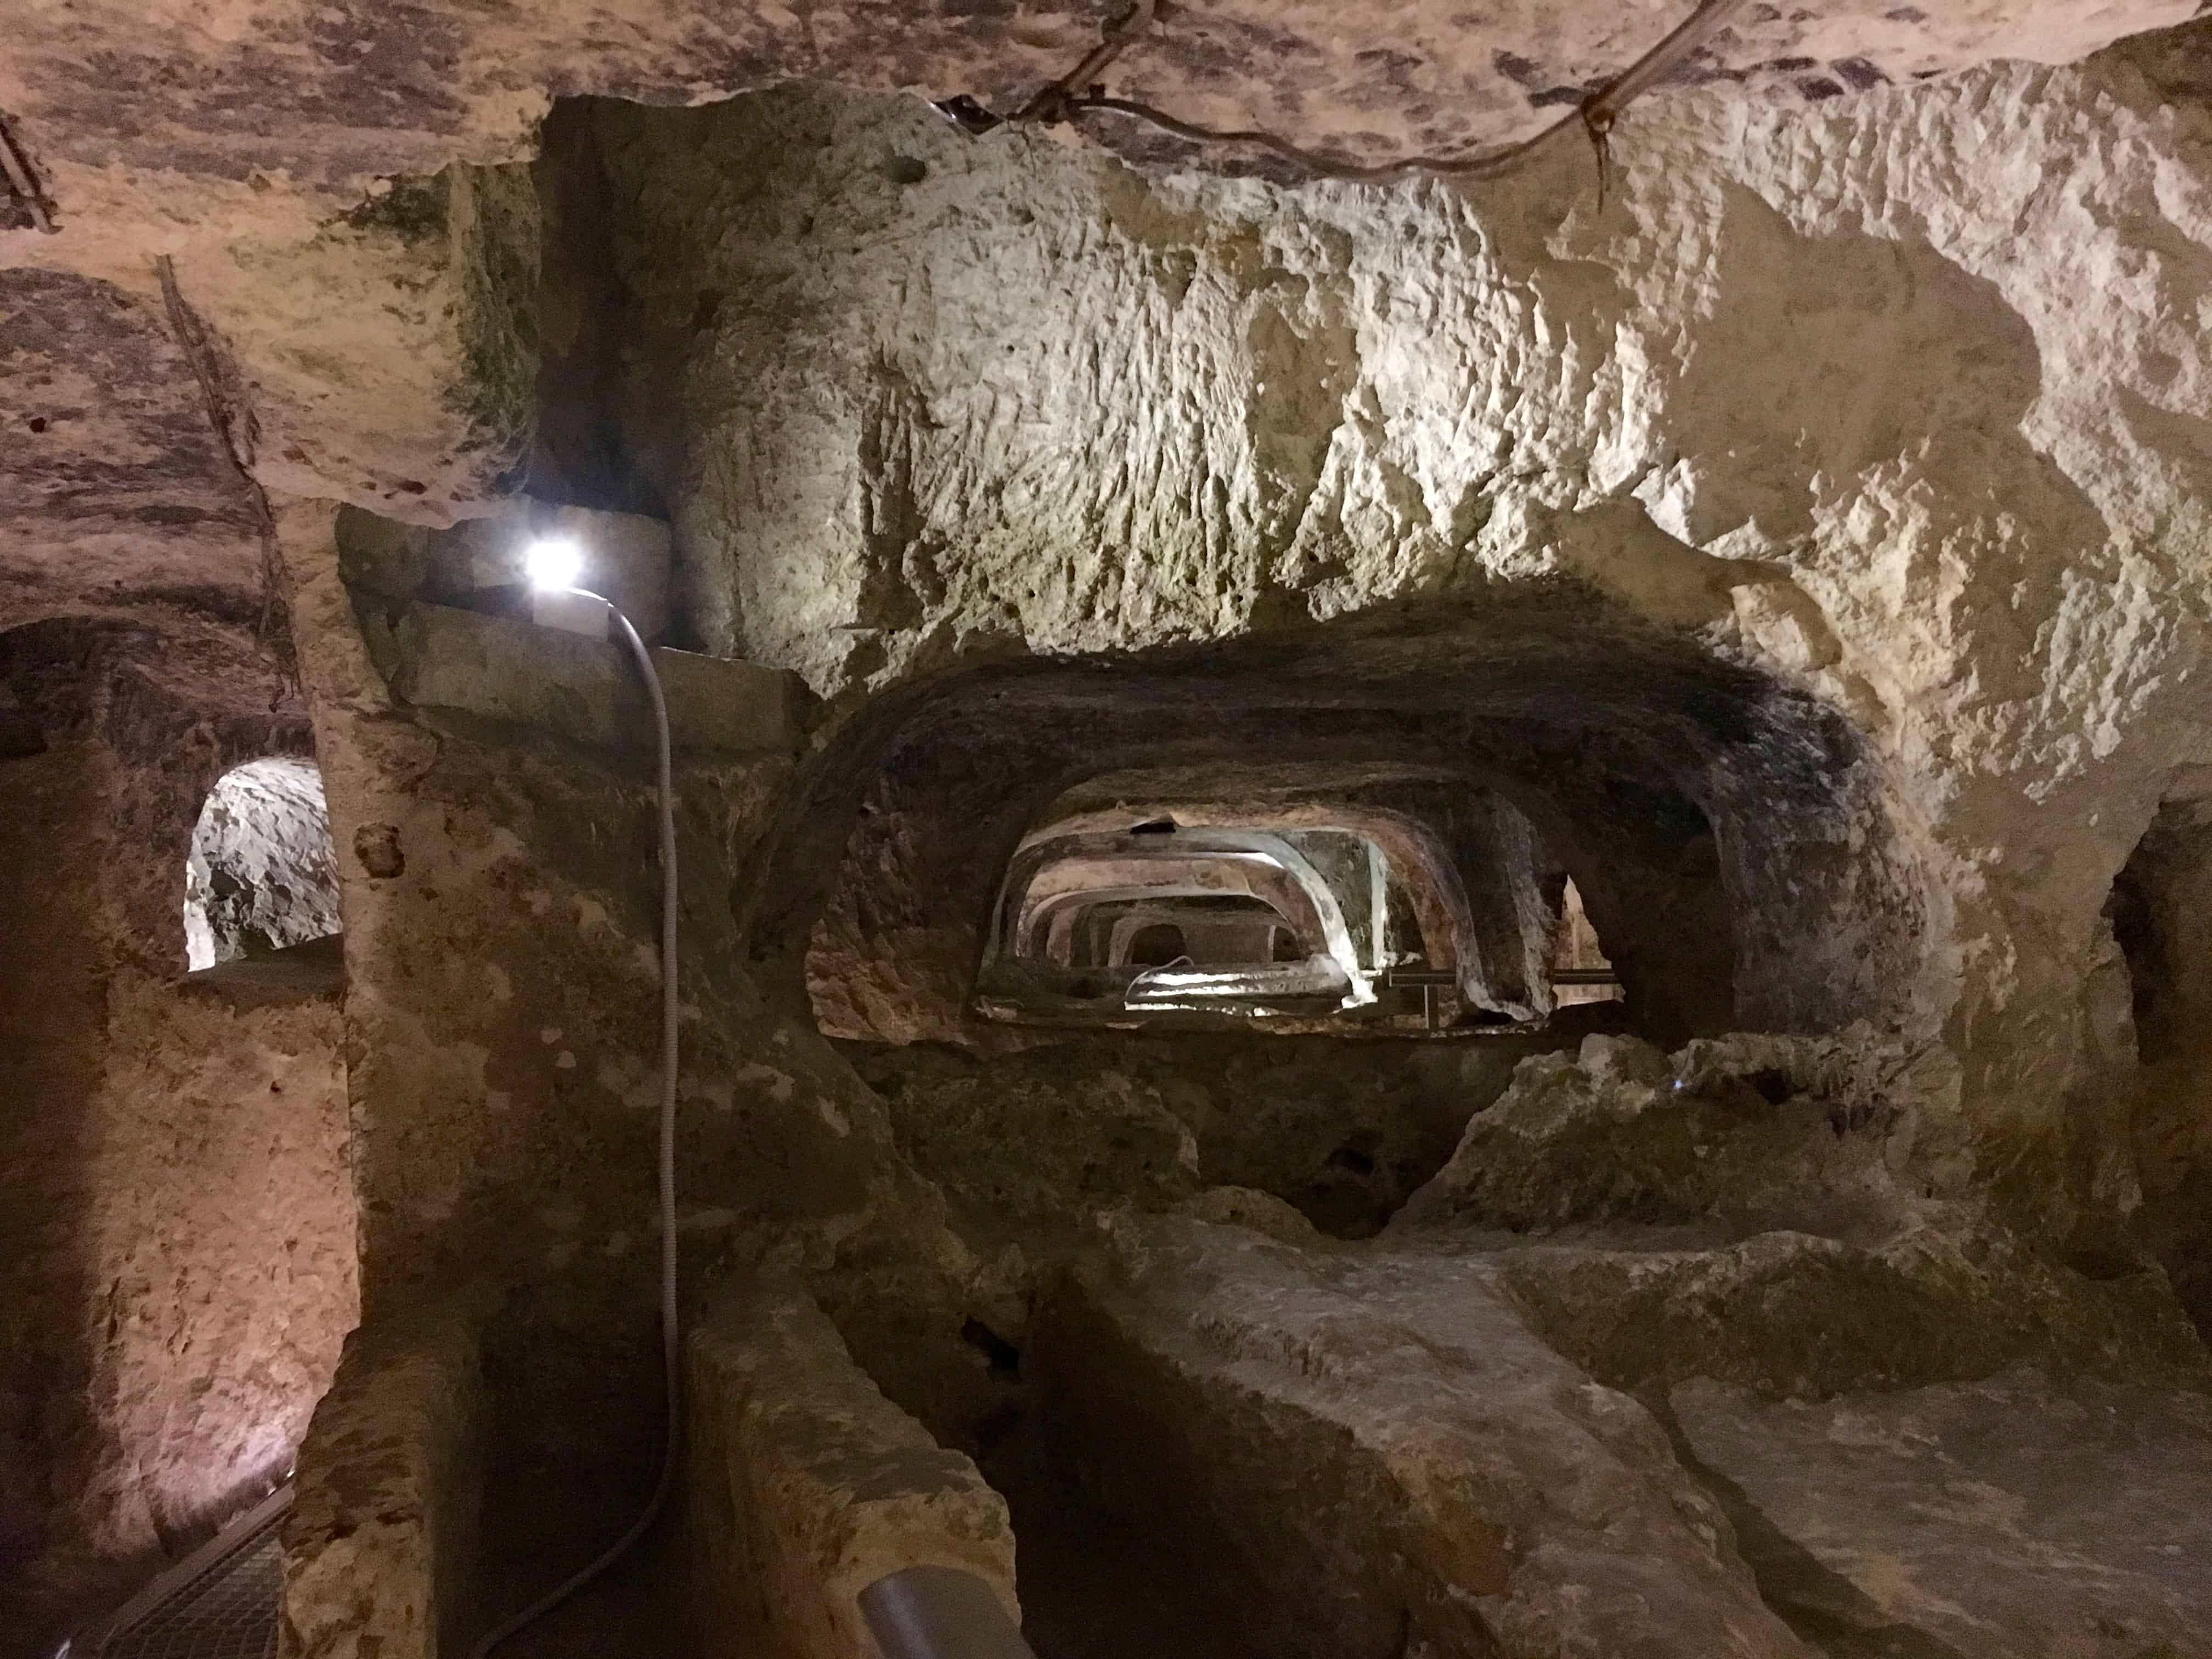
x: 262, y: 873
x: 1890, y: 399
x: 1798, y: 550
x: 374, y: 325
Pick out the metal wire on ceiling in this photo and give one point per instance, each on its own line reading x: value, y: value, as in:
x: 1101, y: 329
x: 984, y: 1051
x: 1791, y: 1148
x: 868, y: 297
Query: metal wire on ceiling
x: 1078, y: 94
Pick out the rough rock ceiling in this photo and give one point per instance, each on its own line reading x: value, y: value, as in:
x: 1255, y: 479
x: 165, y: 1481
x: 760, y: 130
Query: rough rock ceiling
x: 251, y: 142
x: 136, y: 109
x: 107, y: 432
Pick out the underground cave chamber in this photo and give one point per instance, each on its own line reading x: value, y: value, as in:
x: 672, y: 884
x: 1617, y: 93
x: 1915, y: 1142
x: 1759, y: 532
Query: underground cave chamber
x: 1379, y: 809
x: 1414, y: 916
x: 1261, y: 916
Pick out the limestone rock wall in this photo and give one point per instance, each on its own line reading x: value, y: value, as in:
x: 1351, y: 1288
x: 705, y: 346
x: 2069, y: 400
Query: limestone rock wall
x: 1812, y: 525
x: 807, y: 1486
x: 120, y: 498
x: 1889, y: 392
x: 177, y: 1248
x: 1381, y: 1458
x: 2085, y: 1520
x: 1894, y: 399
x: 350, y: 232
x: 2160, y: 904
x: 1032, y: 1145
x: 381, y: 1541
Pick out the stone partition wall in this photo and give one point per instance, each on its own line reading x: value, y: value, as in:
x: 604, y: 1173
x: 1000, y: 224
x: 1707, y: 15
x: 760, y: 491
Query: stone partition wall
x: 380, y: 1542
x: 499, y: 890
x: 806, y: 1486
x: 177, y: 1263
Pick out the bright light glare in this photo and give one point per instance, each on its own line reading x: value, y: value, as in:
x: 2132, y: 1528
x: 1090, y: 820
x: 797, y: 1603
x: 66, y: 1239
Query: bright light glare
x: 553, y: 562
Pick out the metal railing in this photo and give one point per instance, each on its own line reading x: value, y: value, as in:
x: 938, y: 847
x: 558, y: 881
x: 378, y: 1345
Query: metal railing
x: 221, y: 1602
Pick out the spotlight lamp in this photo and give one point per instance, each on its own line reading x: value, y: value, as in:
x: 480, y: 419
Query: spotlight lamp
x: 553, y: 563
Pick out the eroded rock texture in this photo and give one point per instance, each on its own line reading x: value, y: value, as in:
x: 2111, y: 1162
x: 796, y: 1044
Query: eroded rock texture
x: 178, y: 1259
x: 328, y: 182
x: 1387, y: 1457
x: 810, y: 1485
x: 263, y: 873
x: 2018, y: 1515
x: 1804, y: 387
x: 1798, y: 546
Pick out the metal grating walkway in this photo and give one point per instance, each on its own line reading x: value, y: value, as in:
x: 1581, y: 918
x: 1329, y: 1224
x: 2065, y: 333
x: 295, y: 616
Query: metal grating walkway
x: 221, y: 1603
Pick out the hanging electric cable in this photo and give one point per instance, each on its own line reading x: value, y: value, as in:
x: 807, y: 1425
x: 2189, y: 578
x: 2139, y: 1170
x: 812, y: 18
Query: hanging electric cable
x: 554, y: 567
x: 1076, y: 95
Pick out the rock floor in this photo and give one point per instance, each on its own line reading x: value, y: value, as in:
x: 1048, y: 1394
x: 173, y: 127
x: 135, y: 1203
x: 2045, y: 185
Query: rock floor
x: 2019, y: 1516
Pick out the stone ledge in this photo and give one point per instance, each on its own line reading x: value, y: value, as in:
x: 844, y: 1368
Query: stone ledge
x: 313, y: 972
x: 807, y: 1486
x: 1373, y: 1457
x: 384, y: 1517
x: 2028, y: 1516
x: 584, y: 689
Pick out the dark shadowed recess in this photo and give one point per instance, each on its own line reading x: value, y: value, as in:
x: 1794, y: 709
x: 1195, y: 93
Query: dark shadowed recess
x: 2159, y: 909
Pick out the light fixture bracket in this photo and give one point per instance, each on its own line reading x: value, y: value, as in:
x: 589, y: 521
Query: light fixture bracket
x: 573, y: 612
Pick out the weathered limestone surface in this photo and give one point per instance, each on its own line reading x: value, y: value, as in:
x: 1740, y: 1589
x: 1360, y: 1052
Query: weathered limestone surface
x: 348, y: 231
x: 1805, y: 1315
x: 1755, y: 1209
x: 586, y: 691
x: 2024, y: 1516
x: 1895, y: 399
x: 1753, y: 1130
x: 1806, y: 386
x: 117, y: 494
x: 177, y: 1263
x: 1797, y: 1314
x: 500, y: 898
x: 383, y: 1528
x: 1960, y: 509
x: 1035, y: 1145
x: 807, y: 1486
x: 1037, y: 1140
x: 376, y: 342
x: 1381, y: 1457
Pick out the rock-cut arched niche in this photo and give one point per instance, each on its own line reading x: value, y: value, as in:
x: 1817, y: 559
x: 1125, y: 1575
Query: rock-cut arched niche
x: 262, y: 874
